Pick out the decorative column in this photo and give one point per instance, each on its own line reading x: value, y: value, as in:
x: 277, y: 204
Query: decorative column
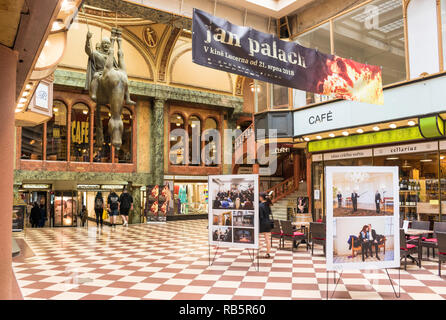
x: 231, y: 124
x: 157, y: 156
x: 296, y: 169
x: 136, y: 195
x: 8, y: 67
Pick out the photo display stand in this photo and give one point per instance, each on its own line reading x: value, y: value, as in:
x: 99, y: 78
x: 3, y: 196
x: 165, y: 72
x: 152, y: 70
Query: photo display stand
x: 234, y: 215
x: 362, y: 228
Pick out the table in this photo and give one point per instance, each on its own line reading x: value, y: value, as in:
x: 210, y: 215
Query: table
x: 418, y: 233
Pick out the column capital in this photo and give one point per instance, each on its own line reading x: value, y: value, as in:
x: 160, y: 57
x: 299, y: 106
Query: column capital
x: 159, y: 102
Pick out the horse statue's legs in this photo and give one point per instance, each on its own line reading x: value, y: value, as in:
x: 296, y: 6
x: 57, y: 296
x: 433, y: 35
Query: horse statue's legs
x: 115, y: 80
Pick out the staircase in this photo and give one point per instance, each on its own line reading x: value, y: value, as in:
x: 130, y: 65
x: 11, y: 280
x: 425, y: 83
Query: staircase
x: 279, y: 209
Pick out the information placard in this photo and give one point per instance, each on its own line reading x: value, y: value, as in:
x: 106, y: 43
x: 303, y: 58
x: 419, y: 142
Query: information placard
x: 362, y: 217
x: 234, y: 211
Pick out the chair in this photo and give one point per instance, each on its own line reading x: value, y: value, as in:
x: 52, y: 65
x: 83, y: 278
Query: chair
x: 288, y: 233
x: 317, y: 235
x: 432, y: 242
x: 406, y: 249
x: 441, y: 238
x: 276, y: 232
x: 420, y: 225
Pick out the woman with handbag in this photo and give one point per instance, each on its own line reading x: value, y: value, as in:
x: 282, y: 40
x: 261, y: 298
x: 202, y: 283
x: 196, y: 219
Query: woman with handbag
x: 265, y: 222
x: 99, y: 208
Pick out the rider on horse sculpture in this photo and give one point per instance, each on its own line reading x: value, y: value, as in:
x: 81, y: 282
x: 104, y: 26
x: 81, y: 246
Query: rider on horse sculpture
x: 108, y: 84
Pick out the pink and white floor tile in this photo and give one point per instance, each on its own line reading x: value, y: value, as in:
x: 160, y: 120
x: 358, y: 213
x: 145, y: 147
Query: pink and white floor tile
x: 171, y: 261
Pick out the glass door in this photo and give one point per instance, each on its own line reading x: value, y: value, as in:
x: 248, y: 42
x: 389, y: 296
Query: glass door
x: 65, y: 208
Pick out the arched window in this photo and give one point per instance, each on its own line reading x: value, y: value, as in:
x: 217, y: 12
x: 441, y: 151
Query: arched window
x: 176, y: 154
x: 211, y: 124
x: 80, y: 133
x: 102, y: 150
x: 194, y: 132
x: 56, y: 133
x: 32, y: 142
x: 125, y: 152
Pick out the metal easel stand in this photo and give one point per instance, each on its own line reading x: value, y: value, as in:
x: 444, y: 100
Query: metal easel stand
x: 253, y: 258
x: 399, y: 283
x: 211, y: 261
x: 336, y: 282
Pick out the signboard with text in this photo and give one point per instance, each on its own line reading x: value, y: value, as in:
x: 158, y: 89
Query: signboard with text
x: 219, y: 44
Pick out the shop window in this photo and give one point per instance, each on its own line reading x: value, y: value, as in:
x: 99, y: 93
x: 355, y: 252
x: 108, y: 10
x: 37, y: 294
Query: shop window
x: 125, y: 152
x: 210, y: 129
x: 65, y: 208
x: 32, y: 142
x: 419, y: 184
x: 280, y: 97
x: 374, y: 34
x: 190, y: 198
x: 194, y: 135
x: 261, y: 90
x: 102, y: 145
x: 443, y: 184
x: 56, y: 133
x: 319, y: 39
x: 80, y: 133
x: 176, y: 155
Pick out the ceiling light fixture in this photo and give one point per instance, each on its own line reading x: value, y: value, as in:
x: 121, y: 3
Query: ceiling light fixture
x: 411, y: 123
x: 359, y: 131
x: 345, y: 133
x: 307, y: 139
x: 318, y: 137
x: 392, y: 126
x: 376, y: 128
x: 392, y: 158
x: 331, y: 135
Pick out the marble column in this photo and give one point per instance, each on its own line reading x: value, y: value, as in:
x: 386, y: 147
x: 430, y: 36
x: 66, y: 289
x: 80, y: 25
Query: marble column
x: 136, y: 214
x: 8, y: 67
x: 157, y: 156
x: 231, y: 125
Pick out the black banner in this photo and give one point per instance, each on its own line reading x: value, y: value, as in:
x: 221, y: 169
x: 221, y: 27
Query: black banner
x: 219, y: 44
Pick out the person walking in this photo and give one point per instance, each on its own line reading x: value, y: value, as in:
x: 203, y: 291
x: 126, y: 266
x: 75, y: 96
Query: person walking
x: 34, y: 217
x: 99, y: 208
x: 113, y: 207
x: 84, y: 215
x: 265, y: 222
x: 125, y: 205
x: 42, y: 219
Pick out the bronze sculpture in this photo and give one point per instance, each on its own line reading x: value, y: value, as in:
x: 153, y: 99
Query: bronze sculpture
x: 107, y: 83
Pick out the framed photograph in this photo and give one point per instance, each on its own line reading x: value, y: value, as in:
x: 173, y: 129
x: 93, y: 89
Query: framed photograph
x: 234, y: 211
x: 362, y: 217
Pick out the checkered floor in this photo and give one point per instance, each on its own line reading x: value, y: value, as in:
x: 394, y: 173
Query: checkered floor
x: 170, y: 261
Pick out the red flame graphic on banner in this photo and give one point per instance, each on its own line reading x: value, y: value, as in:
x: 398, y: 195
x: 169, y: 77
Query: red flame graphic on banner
x: 351, y: 80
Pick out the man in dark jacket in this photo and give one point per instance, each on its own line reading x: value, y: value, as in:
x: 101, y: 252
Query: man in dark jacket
x: 377, y: 239
x: 377, y: 201
x: 355, y: 197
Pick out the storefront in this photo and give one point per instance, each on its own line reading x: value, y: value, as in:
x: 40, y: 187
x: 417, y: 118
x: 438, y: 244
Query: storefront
x: 40, y: 194
x: 87, y: 193
x: 422, y: 172
x: 190, y: 195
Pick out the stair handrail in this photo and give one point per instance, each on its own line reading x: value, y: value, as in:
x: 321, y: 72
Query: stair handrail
x: 282, y: 189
